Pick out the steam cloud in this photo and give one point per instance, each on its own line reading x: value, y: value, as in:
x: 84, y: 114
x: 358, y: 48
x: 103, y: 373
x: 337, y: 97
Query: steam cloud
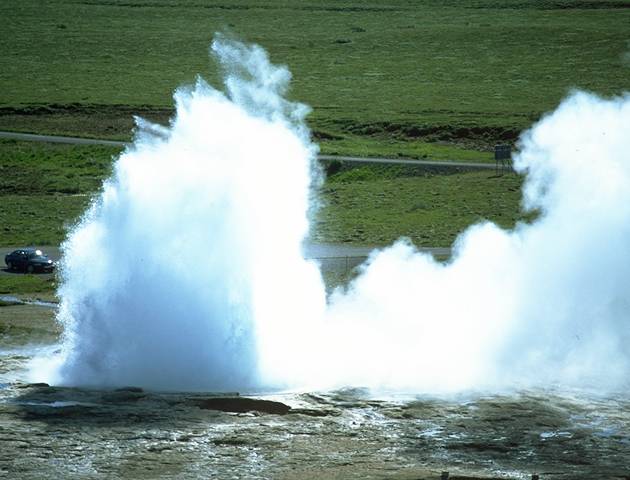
x: 544, y: 304
x: 187, y: 272
x: 180, y: 270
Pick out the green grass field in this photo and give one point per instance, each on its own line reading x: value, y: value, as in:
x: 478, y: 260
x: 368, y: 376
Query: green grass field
x: 378, y: 205
x: 442, y: 80
x: 399, y: 78
x: 30, y: 286
x: 44, y: 188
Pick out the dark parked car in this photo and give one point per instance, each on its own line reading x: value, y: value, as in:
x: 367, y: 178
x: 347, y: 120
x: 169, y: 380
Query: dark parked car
x: 29, y: 260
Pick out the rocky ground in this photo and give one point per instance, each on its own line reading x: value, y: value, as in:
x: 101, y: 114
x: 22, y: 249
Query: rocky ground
x: 71, y: 433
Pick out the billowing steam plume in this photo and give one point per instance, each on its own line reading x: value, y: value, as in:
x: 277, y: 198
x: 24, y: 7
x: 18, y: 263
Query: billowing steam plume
x: 187, y: 272
x: 546, y: 303
x: 189, y: 258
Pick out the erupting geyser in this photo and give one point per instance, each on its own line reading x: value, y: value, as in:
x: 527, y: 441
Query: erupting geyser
x: 187, y: 272
x: 186, y: 262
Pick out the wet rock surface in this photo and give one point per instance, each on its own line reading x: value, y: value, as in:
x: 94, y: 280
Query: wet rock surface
x: 131, y: 433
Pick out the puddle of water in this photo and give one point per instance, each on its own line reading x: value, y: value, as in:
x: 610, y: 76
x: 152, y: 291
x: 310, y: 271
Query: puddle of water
x: 18, y: 301
x: 606, y: 432
x: 10, y: 299
x: 433, y: 432
x: 58, y: 404
x: 30, y: 350
x: 548, y: 435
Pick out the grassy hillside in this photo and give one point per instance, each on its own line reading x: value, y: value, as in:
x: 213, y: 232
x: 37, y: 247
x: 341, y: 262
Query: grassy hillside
x: 402, y: 75
x: 378, y: 205
x: 426, y: 79
x: 44, y: 188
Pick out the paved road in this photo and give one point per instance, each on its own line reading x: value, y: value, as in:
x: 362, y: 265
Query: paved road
x: 331, y: 255
x: 402, y: 161
x: 334, y: 250
x: 324, y: 158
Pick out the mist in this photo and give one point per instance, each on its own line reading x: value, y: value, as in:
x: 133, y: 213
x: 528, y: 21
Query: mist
x: 544, y: 304
x: 181, y: 267
x: 188, y: 273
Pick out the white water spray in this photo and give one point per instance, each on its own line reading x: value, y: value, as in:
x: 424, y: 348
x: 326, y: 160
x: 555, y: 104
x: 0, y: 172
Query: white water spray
x: 187, y: 272
x: 544, y: 304
x: 184, y: 265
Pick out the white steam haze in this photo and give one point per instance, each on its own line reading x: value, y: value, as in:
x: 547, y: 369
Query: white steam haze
x: 187, y: 273
x: 187, y: 262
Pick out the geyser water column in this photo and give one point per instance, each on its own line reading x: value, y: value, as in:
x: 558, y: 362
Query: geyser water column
x: 188, y: 266
x: 187, y: 271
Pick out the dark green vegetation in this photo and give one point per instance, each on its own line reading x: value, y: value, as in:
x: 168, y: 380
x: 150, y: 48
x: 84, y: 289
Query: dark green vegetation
x: 423, y: 79
x: 376, y: 205
x: 396, y: 78
x: 47, y: 169
x: 44, y: 188
x: 29, y: 285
